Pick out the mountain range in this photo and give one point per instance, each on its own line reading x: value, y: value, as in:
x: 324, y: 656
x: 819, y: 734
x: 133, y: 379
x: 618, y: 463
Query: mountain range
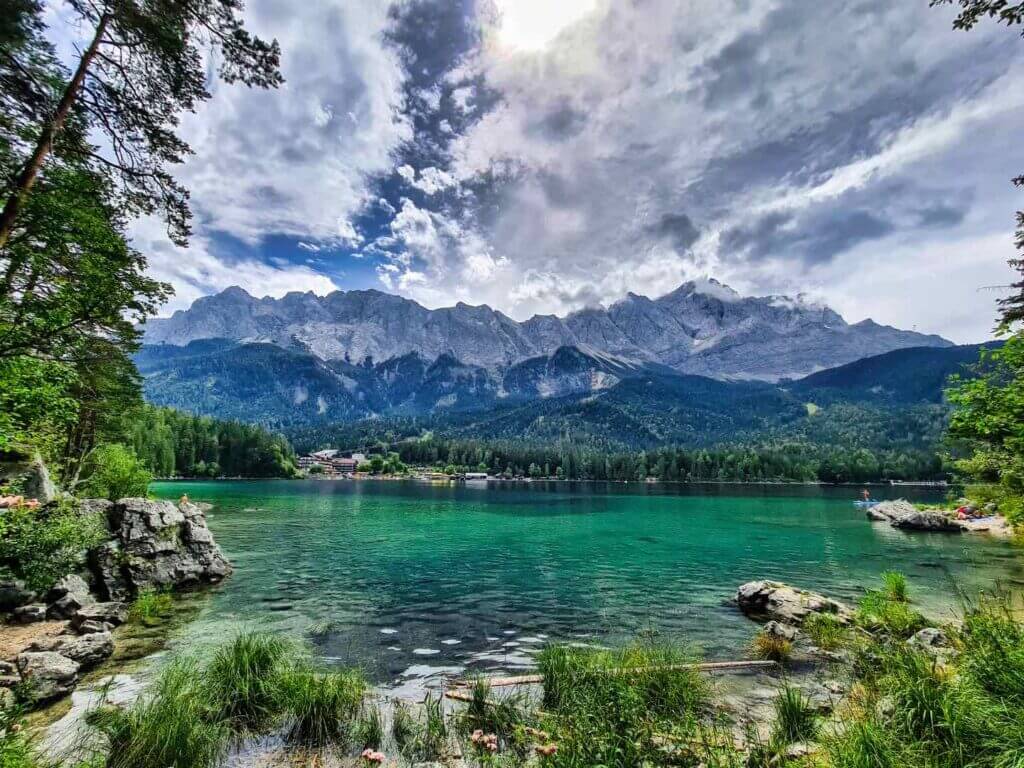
x: 472, y: 372
x: 703, y: 328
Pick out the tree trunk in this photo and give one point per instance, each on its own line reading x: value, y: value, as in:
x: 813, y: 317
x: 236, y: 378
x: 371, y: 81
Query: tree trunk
x: 53, y: 126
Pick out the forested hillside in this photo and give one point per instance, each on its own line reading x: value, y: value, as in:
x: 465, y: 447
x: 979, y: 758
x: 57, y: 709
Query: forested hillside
x: 175, y: 444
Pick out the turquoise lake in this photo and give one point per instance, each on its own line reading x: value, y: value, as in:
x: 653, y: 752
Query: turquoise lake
x: 410, y: 580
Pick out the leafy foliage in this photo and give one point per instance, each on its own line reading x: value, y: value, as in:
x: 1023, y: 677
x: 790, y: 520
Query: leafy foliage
x: 43, y: 544
x: 115, y: 472
x: 989, y: 420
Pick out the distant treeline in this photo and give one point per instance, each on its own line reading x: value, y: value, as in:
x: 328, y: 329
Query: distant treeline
x: 798, y: 462
x: 175, y: 444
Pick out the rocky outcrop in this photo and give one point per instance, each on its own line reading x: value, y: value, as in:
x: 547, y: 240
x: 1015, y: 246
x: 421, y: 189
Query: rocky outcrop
x: 156, y: 544
x: 905, y: 516
x: 928, y: 520
x: 782, y: 603
x: 29, y: 474
x: 152, y: 544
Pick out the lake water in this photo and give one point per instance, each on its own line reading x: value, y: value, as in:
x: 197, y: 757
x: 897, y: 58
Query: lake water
x: 411, y: 580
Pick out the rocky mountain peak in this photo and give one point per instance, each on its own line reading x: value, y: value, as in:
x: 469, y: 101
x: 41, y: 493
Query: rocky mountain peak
x: 702, y: 327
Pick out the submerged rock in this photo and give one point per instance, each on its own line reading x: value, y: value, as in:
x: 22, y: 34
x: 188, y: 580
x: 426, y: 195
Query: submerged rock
x: 786, y: 604
x: 156, y: 544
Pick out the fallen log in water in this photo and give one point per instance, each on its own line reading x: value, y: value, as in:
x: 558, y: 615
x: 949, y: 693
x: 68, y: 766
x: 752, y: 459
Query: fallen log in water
x: 705, y: 666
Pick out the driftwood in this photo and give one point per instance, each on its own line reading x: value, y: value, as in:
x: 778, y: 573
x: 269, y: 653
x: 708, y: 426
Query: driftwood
x: 707, y: 666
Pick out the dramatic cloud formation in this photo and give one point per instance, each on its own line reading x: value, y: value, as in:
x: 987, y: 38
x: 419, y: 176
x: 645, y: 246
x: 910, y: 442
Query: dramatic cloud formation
x: 542, y: 157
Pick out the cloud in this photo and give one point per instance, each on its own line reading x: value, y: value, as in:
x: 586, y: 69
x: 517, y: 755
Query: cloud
x: 199, y: 269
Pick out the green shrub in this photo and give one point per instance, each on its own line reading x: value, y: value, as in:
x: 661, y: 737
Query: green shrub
x: 113, y: 472
x: 825, y: 631
x: 172, y: 725
x: 435, y: 731
x: 322, y: 706
x: 41, y: 545
x: 15, y: 748
x: 795, y: 719
x: 245, y: 677
x: 151, y: 607
x: 769, y: 647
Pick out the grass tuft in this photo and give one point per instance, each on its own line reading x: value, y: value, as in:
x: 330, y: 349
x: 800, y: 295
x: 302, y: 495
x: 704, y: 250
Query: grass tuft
x: 368, y: 730
x: 825, y: 631
x: 244, y: 680
x: 322, y: 706
x: 769, y: 647
x: 894, y: 585
x: 151, y: 607
x: 795, y: 718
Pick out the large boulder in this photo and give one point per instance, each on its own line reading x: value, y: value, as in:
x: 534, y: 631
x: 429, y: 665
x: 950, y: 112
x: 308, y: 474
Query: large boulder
x: 88, y: 650
x: 47, y: 674
x: 156, y: 544
x: 928, y: 520
x: 780, y: 602
x: 887, y: 511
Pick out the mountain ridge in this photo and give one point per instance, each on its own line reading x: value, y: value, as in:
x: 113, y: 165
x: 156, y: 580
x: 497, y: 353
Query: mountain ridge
x: 703, y: 328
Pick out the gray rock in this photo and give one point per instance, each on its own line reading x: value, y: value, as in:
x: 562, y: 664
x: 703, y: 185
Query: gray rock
x: 783, y: 631
x: 28, y: 614
x: 29, y: 474
x: 798, y: 750
x: 156, y: 544
x: 90, y: 626
x: 13, y: 594
x: 115, y: 613
x: 69, y: 605
x: 783, y: 603
x: 88, y: 650
x: 47, y: 674
x: 891, y: 510
x: 927, y: 520
x: 7, y: 668
x: 71, y: 584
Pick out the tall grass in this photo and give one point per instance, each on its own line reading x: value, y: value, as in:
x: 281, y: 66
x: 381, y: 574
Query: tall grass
x: 795, y: 718
x: 15, y: 748
x: 368, y: 731
x: 825, y: 631
x: 507, y: 717
x: 172, y: 725
x: 245, y: 678
x: 894, y: 586
x: 769, y: 647
x: 608, y: 707
x: 254, y: 683
x: 322, y: 707
x: 877, y: 611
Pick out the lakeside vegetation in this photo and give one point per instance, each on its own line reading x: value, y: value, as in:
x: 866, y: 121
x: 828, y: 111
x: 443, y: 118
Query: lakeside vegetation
x: 907, y: 705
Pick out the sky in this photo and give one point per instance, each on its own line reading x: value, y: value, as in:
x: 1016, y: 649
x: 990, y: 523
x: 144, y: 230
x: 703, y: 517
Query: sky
x: 541, y: 157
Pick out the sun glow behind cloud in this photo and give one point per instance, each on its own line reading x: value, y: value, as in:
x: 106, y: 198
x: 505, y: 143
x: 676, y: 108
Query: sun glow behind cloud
x: 529, y: 25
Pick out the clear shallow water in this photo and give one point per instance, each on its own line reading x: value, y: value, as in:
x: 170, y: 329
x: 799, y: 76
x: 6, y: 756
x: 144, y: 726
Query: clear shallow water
x: 411, y: 580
